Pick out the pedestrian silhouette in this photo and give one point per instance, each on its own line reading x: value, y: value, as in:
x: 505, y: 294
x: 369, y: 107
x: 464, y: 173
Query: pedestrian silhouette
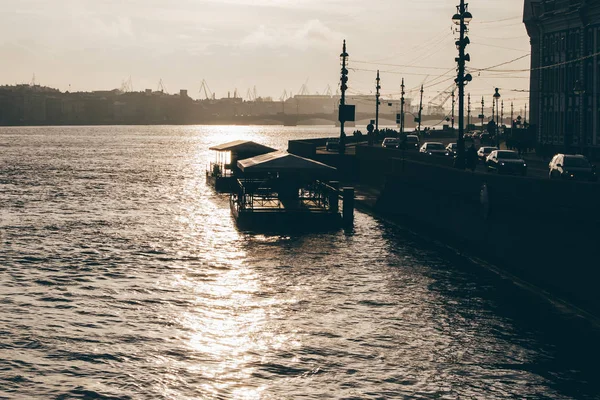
x: 472, y: 158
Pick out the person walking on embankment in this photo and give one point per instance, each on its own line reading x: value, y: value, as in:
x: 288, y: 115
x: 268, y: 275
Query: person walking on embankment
x: 471, y: 158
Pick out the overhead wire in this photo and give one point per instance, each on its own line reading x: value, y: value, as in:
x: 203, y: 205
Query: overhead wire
x: 499, y: 65
x: 396, y: 65
x: 497, y: 20
x: 499, y: 47
x: 424, y: 45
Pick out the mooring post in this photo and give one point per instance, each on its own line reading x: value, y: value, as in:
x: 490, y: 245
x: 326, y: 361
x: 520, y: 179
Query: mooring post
x: 333, y: 197
x: 348, y: 207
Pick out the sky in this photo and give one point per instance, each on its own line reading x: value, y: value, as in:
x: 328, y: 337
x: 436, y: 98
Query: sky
x: 273, y: 45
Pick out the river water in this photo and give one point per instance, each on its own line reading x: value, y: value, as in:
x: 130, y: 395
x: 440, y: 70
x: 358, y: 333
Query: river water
x: 124, y: 277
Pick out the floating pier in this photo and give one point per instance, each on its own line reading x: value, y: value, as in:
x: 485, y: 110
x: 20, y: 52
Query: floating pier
x: 222, y: 172
x: 280, y: 190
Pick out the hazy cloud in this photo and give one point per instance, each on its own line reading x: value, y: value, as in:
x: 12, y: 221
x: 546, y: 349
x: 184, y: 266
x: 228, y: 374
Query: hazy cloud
x: 312, y: 34
x: 274, y: 44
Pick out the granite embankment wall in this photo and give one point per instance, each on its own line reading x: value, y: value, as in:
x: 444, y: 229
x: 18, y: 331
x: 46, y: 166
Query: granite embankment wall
x: 544, y: 232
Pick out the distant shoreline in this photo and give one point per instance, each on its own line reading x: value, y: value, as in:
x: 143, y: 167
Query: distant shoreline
x: 316, y: 122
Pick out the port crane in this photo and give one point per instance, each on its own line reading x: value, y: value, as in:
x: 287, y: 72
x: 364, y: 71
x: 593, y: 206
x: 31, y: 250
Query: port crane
x: 304, y: 89
x: 436, y: 105
x: 285, y: 96
x: 252, y: 94
x: 161, y: 87
x: 127, y: 85
x: 207, y: 92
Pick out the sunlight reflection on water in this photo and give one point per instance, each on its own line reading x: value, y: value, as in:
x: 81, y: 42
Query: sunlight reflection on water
x: 124, y: 276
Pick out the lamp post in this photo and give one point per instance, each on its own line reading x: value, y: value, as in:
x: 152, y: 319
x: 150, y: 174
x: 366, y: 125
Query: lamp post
x: 468, y: 111
x: 402, y: 108
x: 377, y: 87
x: 579, y: 90
x: 512, y: 112
x: 502, y: 113
x: 482, y: 115
x: 453, y: 103
x: 420, y: 111
x: 497, y: 98
x: 462, y: 18
x: 342, y: 110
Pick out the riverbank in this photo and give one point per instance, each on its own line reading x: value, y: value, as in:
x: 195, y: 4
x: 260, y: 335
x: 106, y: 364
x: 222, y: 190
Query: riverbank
x: 367, y: 201
x: 539, y: 231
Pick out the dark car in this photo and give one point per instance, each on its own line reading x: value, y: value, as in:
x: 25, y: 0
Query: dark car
x: 572, y: 167
x: 506, y: 162
x: 332, y: 144
x: 390, y: 143
x: 433, y: 148
x: 484, y: 152
x: 412, y: 142
x: 451, y: 149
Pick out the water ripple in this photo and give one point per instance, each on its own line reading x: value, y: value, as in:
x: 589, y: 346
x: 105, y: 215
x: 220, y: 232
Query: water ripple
x: 123, y: 277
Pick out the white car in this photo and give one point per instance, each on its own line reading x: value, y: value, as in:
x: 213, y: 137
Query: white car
x: 484, y: 152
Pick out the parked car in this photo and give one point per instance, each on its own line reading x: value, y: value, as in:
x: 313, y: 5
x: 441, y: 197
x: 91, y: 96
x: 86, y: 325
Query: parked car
x: 433, y: 148
x: 412, y: 142
x: 390, y: 143
x: 572, y: 167
x: 484, y: 152
x: 451, y: 149
x: 506, y: 162
x: 332, y: 144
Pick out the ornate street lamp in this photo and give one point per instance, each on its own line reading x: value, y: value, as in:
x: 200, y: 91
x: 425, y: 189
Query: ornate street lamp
x: 462, y: 18
x: 496, y: 98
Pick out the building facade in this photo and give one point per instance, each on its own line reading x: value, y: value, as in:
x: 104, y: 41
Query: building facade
x: 565, y: 70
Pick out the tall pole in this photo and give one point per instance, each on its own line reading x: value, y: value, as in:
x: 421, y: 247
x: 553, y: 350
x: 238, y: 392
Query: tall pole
x: 512, y: 112
x: 502, y: 113
x: 482, y: 110
x: 377, y: 87
x: 468, y: 110
x: 525, y: 116
x: 402, y: 107
x: 462, y: 18
x: 497, y: 98
x: 342, y: 110
x: 512, y: 123
x: 497, y: 125
x: 453, y: 102
x: 420, y: 110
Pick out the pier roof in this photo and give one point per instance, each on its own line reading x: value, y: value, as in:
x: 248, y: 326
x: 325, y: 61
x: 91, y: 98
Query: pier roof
x: 282, y: 161
x: 243, y: 146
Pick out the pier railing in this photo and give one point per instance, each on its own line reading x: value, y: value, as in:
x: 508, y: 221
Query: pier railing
x: 218, y: 170
x: 259, y: 195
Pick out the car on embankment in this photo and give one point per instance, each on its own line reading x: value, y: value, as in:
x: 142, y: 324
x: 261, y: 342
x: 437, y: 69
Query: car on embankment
x: 506, y: 162
x: 390, y: 143
x: 572, y: 167
x: 484, y: 152
x: 433, y: 149
x: 451, y: 149
x: 412, y: 142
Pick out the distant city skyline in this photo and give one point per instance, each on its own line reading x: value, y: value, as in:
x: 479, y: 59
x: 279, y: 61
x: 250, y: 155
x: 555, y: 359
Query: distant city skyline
x: 271, y: 45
